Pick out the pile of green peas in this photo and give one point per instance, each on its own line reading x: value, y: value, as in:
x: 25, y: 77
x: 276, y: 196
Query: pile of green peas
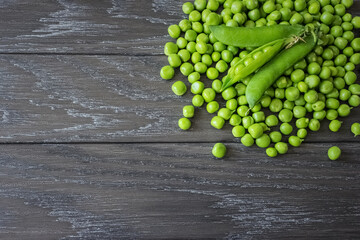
x: 323, y: 85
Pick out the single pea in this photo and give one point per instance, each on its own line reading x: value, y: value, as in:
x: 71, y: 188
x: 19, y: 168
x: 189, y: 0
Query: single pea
x: 208, y: 94
x: 185, y: 25
x: 187, y: 7
x: 356, y: 22
x: 318, y: 106
x: 212, y: 106
x: 354, y: 101
x: 271, y: 121
x: 167, y: 72
x: 225, y: 113
x: 348, y: 35
x: 219, y: 150
x: 193, y: 77
x: 347, y: 3
x: 286, y: 128
x: 314, y: 125
x: 251, y: 4
x: 263, y: 141
x: 235, y: 120
x: 184, y: 123
x: 229, y: 93
x: 242, y: 111
x: 314, y: 7
x: 331, y: 114
x: 297, y: 75
x: 212, y: 73
x: 295, y: 141
x: 281, y: 147
x: 179, y: 88
x: 174, y: 31
x: 326, y: 87
x: 302, y: 133
x: 238, y: 131
x: 184, y: 55
x: 271, y: 152
x: 275, y: 136
x: 350, y: 77
x: 280, y: 93
x: 174, y: 60
x: 247, y: 121
x: 327, y: 18
x: 265, y: 101
x: 347, y: 26
x: 285, y: 115
x: 276, y: 105
x: 332, y: 103
x: 232, y: 104
x: 355, y: 89
x: 299, y: 111
x: 335, y: 125
x: 200, y: 67
x: 170, y: 48
x: 312, y: 81
x: 302, y: 122
x: 216, y: 85
x: 355, y: 58
x: 355, y: 129
x: 237, y: 7
x: 188, y: 111
x: 289, y: 104
x: 327, y: 55
x: 240, y: 89
x: 355, y: 44
x: 344, y: 94
x: 200, y: 4
x: 292, y: 93
x: 311, y: 96
x: 197, y: 87
x: 197, y: 100
x: 221, y: 66
x: 217, y: 122
x: 344, y: 110
x: 334, y: 153
x: 227, y: 55
x: 319, y: 115
x: 259, y: 116
x: 247, y: 140
x: 296, y: 19
x: 206, y: 59
x: 186, y: 68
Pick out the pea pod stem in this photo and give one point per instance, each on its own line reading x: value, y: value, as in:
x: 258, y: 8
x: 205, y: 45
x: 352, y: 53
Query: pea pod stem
x: 256, y: 36
x: 272, y: 70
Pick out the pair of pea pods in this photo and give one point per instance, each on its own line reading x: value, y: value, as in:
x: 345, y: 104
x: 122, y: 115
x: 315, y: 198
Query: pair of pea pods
x: 270, y: 60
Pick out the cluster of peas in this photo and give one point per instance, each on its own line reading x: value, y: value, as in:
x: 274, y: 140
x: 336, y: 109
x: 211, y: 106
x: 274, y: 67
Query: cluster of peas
x: 322, y: 85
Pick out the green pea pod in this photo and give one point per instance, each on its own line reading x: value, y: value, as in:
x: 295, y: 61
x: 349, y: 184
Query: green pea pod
x: 256, y: 36
x: 272, y: 70
x: 252, y: 62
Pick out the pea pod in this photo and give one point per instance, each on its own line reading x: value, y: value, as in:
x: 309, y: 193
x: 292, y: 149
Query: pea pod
x: 272, y: 70
x: 251, y: 62
x: 256, y: 36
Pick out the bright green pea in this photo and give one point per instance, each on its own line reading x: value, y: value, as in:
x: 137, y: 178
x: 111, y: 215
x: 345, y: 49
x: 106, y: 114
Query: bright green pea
x: 263, y: 141
x: 355, y: 44
x: 197, y: 100
x: 276, y: 105
x: 335, y: 125
x: 219, y: 150
x: 197, y: 87
x: 355, y: 129
x: 193, y: 77
x: 312, y: 81
x: 186, y: 68
x: 208, y: 94
x: 292, y: 93
x: 265, y: 101
x: 259, y: 116
x: 184, y: 123
x: 302, y: 122
x: 354, y: 101
x: 229, y: 93
x: 334, y: 153
x: 170, y: 48
x: 355, y: 89
x: 221, y: 66
x: 275, y: 136
x: 185, y: 25
x: 231, y: 104
x: 238, y: 131
x: 247, y: 121
x: 314, y: 125
x: 289, y: 104
x: 167, y: 72
x: 247, y: 140
x: 299, y: 111
x: 297, y: 75
x: 285, y: 115
x: 311, y: 96
x: 216, y: 85
x: 318, y: 106
x: 271, y: 152
x: 174, y: 31
x: 327, y: 18
x: 225, y: 113
x: 331, y: 114
x: 302, y: 133
x: 271, y: 121
x: 174, y: 60
x: 356, y: 22
x: 227, y: 56
x: 235, y: 120
x: 344, y: 110
x: 242, y: 111
x: 188, y: 111
x: 295, y: 141
x: 281, y: 147
x: 280, y: 93
x: 355, y: 58
x: 187, y: 7
x: 286, y: 128
x: 217, y: 122
x: 314, y: 7
x: 200, y: 67
x: 179, y: 88
x: 212, y: 106
x: 212, y: 73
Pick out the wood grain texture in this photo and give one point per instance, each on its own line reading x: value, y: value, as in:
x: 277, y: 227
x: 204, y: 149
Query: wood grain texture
x: 166, y: 191
x: 46, y: 98
x: 79, y: 26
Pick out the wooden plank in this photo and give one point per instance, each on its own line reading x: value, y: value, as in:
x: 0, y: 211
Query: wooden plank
x: 79, y: 26
x: 166, y: 191
x: 45, y: 98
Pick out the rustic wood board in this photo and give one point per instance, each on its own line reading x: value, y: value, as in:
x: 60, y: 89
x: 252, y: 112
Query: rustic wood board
x: 90, y: 149
x: 116, y: 191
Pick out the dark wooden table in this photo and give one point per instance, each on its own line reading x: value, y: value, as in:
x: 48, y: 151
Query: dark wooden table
x: 90, y: 146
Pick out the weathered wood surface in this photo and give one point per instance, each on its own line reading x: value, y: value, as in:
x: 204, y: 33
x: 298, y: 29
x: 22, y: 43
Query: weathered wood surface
x: 83, y: 77
x: 167, y: 191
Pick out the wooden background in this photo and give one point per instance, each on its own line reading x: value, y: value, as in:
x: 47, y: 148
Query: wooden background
x: 89, y: 144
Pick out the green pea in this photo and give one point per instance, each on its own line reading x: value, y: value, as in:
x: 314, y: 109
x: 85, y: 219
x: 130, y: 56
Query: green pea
x: 247, y: 121
x: 312, y: 81
x: 319, y: 115
x: 235, y: 120
x: 265, y: 101
x: 355, y: 44
x: 237, y: 7
x: 350, y: 77
x: 286, y: 128
x: 292, y: 93
x: 170, y: 48
x: 302, y: 122
x: 167, y: 72
x: 174, y: 60
x: 185, y: 25
x: 355, y: 129
x: 217, y: 122
x: 314, y: 7
x: 344, y: 94
x: 318, y: 106
x: 355, y: 89
x: 334, y: 153
x: 263, y: 141
x: 271, y: 121
x: 221, y: 66
x: 186, y: 68
x: 179, y: 88
x: 197, y: 87
x: 193, y: 77
x: 280, y: 93
x: 276, y: 105
x: 242, y: 111
x: 227, y: 56
x: 275, y: 136
x: 355, y: 58
x: 259, y: 116
x: 232, y: 104
x: 219, y: 150
x: 296, y: 19
x: 348, y: 35
x: 174, y: 31
x: 285, y: 115
x: 240, y: 89
x: 188, y: 111
x: 212, y: 106
x: 271, y: 152
x: 247, y: 140
x: 295, y: 141
x: 208, y: 94
x: 229, y: 93
x: 335, y: 125
x: 344, y: 110
x: 197, y: 100
x: 331, y: 114
x: 200, y: 67
x: 216, y: 85
x: 238, y: 131
x: 314, y: 125
x: 297, y: 75
x: 311, y: 96
x: 289, y: 104
x: 327, y: 18
x: 299, y: 111
x: 187, y: 7
x: 184, y: 123
x: 354, y: 101
x: 302, y: 133
x: 281, y: 147
x: 242, y: 100
x: 332, y: 103
x: 225, y: 113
